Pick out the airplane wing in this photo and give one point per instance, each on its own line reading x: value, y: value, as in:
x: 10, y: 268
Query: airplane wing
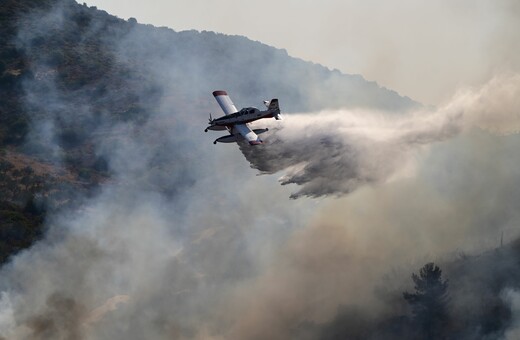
x: 251, y: 137
x: 228, y: 107
x: 225, y: 102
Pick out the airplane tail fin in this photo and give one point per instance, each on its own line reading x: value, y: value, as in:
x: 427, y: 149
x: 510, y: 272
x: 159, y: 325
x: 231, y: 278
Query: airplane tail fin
x: 273, y: 106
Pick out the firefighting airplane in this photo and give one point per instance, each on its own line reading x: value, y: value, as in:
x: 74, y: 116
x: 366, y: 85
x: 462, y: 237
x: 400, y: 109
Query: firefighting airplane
x: 237, y: 122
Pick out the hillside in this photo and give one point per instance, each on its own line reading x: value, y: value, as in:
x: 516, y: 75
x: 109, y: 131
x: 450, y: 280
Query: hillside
x: 70, y: 73
x: 146, y: 232
x: 478, y: 303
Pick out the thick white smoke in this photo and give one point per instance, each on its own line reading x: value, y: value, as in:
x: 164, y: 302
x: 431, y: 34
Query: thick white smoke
x: 134, y: 265
x: 336, y: 152
x: 512, y: 297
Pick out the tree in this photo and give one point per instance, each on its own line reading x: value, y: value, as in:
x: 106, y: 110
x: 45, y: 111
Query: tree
x: 429, y: 302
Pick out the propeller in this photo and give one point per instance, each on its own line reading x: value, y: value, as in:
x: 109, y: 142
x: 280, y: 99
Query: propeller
x: 210, y: 122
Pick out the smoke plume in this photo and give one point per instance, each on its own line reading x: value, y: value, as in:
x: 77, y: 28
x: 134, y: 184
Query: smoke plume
x: 513, y: 299
x: 336, y: 152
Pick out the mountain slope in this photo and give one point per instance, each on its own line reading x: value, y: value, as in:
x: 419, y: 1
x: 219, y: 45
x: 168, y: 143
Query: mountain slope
x: 69, y: 74
x: 102, y: 142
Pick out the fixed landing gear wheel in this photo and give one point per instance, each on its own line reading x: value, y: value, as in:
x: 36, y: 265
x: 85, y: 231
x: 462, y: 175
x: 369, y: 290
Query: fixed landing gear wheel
x: 206, y: 130
x: 215, y: 142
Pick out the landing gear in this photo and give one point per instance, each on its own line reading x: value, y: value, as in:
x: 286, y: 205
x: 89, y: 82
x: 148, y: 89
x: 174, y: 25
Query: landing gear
x: 215, y: 142
x: 205, y: 130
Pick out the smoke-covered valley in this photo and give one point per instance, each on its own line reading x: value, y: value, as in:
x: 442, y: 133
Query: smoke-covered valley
x: 152, y: 232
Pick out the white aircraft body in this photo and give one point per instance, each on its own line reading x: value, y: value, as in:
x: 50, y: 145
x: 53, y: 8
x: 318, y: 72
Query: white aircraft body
x: 237, y: 122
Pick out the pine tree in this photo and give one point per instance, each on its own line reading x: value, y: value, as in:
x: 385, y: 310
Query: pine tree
x: 429, y: 302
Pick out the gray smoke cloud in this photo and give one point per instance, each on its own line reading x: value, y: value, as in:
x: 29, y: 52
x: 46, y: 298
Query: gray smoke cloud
x: 186, y: 242
x: 512, y: 297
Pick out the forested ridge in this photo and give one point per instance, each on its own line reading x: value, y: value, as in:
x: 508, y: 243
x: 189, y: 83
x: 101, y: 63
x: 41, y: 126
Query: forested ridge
x: 73, y: 76
x: 30, y: 182
x: 60, y: 62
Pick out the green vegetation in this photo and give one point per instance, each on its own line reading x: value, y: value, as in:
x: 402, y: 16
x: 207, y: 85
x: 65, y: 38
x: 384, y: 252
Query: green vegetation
x: 64, y: 60
x: 19, y: 226
x: 429, y: 303
x: 21, y: 208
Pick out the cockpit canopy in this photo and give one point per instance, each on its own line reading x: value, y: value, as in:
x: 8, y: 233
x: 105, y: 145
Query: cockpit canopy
x: 247, y: 110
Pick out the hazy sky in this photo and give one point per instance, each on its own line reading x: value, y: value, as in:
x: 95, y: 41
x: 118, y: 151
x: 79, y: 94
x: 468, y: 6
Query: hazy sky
x: 422, y: 49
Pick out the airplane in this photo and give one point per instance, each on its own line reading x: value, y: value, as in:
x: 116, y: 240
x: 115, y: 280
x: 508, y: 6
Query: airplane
x: 237, y: 122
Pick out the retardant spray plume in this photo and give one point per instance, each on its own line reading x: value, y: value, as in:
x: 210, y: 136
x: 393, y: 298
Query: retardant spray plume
x: 335, y: 152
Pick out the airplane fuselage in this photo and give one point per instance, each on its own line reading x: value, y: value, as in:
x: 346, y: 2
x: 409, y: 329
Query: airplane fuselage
x: 246, y: 115
x: 237, y: 122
